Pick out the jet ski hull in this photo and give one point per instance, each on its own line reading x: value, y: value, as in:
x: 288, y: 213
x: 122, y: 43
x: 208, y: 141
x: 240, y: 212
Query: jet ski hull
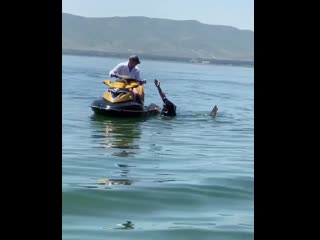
x: 125, y: 109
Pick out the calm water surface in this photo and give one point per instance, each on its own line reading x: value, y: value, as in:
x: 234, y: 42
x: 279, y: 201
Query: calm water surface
x: 190, y: 177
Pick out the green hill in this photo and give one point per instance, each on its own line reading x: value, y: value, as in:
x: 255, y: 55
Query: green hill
x: 156, y: 37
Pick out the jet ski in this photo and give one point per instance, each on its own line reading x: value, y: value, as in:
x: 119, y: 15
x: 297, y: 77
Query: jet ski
x: 119, y: 100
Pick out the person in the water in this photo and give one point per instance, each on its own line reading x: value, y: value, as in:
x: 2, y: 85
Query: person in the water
x: 169, y: 109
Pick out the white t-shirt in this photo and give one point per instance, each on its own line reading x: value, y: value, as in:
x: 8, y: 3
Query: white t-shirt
x: 123, y: 69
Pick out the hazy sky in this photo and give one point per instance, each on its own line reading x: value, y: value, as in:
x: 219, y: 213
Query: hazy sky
x: 236, y: 13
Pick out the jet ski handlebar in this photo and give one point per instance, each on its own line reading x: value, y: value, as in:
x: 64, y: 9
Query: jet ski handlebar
x: 124, y: 77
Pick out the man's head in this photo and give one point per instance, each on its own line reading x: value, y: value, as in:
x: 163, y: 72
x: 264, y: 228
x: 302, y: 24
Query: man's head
x: 169, y: 109
x: 133, y: 61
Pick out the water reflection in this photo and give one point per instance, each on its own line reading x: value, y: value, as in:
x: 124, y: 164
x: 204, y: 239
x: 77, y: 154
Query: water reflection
x: 119, y: 136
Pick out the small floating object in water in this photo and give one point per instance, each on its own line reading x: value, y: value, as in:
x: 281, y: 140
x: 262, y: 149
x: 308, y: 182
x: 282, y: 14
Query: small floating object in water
x: 127, y: 225
x: 104, y: 181
x: 123, y: 165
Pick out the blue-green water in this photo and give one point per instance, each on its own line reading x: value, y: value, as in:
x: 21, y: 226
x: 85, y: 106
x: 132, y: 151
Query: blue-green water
x: 190, y: 177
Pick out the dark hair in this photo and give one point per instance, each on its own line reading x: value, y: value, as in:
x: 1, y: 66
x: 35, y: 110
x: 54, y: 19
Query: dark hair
x: 135, y: 58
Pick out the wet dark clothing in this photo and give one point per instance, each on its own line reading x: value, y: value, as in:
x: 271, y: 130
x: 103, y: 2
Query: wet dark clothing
x: 169, y: 109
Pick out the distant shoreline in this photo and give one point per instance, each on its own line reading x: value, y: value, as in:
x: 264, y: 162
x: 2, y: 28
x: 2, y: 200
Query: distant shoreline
x: 161, y: 58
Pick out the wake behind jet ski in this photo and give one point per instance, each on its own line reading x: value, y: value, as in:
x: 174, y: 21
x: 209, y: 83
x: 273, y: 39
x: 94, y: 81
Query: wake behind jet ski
x: 119, y: 100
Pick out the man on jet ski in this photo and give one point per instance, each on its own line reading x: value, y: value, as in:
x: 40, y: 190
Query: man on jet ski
x: 129, y: 69
x: 169, y: 109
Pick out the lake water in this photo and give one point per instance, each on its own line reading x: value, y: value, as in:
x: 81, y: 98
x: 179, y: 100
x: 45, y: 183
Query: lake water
x: 190, y: 177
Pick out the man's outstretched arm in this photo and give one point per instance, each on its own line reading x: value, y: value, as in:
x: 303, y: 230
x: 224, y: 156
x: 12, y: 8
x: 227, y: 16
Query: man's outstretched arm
x: 157, y: 83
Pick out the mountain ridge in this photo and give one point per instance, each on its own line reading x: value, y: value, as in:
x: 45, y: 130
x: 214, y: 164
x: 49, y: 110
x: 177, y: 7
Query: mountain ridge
x: 157, y: 37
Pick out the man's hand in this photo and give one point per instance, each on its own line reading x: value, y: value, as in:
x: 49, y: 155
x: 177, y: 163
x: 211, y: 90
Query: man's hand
x: 157, y: 83
x: 141, y: 82
x: 114, y: 75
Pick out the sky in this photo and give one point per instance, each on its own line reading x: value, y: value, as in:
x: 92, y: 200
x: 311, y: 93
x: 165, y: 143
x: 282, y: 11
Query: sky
x: 235, y: 13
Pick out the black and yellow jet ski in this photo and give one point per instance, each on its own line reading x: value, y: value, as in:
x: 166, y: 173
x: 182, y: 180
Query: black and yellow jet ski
x: 119, y: 100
